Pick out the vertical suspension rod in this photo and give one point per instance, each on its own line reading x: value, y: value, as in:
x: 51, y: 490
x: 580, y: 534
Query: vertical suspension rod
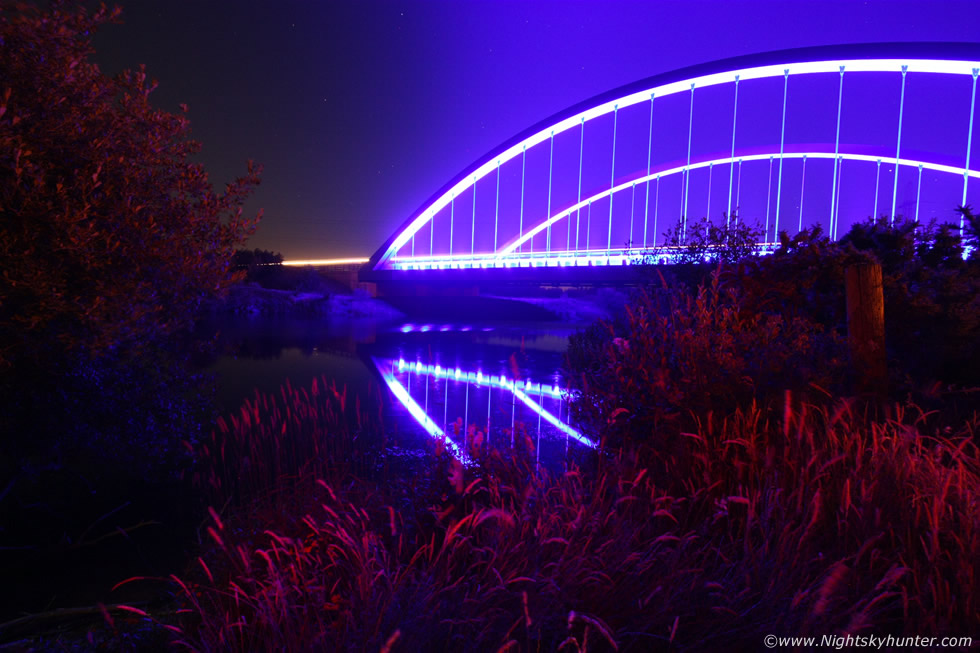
x: 802, y: 187
x: 710, y: 169
x: 496, y: 209
x: 738, y: 192
x: 731, y: 165
x: 656, y: 211
x: 520, y: 225
x: 782, y: 138
x: 646, y: 209
x: 452, y: 218
x: 612, y: 175
x: 632, y: 206
x: 768, y: 198
x: 898, y: 144
x: 578, y: 214
x: 473, y: 226
x: 687, y: 170
x: 833, y: 186
x: 874, y: 215
x: 551, y: 160
x: 918, y: 194
x: 969, y: 142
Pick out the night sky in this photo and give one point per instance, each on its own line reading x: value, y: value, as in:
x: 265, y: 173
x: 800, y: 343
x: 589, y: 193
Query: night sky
x: 360, y: 111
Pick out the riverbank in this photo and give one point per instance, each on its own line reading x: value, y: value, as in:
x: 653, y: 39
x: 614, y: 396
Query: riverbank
x: 254, y: 299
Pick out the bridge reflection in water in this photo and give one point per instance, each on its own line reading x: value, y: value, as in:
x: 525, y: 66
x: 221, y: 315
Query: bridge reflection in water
x: 440, y: 398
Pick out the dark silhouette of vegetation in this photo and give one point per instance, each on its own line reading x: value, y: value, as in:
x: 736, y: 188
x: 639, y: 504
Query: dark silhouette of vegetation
x: 251, y: 260
x: 112, y: 241
x: 113, y: 237
x: 703, y: 241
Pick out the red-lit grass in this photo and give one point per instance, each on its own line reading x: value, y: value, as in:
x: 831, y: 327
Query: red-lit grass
x: 820, y: 522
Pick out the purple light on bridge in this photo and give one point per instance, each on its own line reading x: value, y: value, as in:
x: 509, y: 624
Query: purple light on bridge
x: 822, y: 132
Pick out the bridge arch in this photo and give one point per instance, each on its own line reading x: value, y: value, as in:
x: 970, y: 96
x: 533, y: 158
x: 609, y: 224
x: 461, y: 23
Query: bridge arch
x: 718, y: 129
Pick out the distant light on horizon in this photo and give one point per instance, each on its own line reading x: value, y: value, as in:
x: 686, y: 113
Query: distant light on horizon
x: 327, y: 261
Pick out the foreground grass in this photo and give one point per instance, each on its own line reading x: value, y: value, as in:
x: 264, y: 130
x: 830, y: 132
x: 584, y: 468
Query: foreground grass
x: 822, y: 521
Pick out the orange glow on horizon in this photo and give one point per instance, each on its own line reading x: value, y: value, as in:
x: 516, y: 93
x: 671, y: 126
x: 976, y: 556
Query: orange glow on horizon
x: 327, y: 261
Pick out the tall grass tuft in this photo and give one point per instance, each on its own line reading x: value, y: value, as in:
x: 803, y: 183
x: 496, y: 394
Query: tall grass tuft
x: 810, y: 520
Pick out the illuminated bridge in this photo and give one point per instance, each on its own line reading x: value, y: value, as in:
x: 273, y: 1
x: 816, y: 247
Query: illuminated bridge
x: 819, y: 136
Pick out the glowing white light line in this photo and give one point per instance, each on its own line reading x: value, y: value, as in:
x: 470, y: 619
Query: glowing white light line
x: 731, y: 167
x: 327, y: 261
x: 833, y: 185
x: 496, y: 210
x: 687, y: 170
x: 898, y: 143
x: 507, y: 249
x: 938, y: 66
x: 918, y: 194
x: 554, y: 421
x: 646, y: 208
x: 782, y: 135
x: 969, y: 139
x: 612, y: 173
x: 874, y: 214
x: 491, y: 381
x: 802, y: 188
x: 419, y: 415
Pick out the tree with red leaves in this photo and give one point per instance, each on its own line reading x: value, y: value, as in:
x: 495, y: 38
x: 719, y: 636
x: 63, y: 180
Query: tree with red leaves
x: 111, y: 237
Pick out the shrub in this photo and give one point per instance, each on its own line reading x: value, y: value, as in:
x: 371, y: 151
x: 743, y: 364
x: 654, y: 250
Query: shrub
x: 681, y: 355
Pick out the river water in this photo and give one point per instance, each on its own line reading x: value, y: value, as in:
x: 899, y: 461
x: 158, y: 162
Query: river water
x: 497, y: 378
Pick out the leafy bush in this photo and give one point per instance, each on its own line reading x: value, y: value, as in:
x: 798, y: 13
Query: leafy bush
x: 932, y: 295
x: 113, y: 237
x: 681, y: 355
x: 704, y: 241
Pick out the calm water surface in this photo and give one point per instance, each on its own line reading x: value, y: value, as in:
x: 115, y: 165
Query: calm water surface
x: 435, y: 377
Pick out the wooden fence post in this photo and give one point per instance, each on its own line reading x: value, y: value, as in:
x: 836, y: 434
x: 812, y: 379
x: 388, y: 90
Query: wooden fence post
x: 866, y: 327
